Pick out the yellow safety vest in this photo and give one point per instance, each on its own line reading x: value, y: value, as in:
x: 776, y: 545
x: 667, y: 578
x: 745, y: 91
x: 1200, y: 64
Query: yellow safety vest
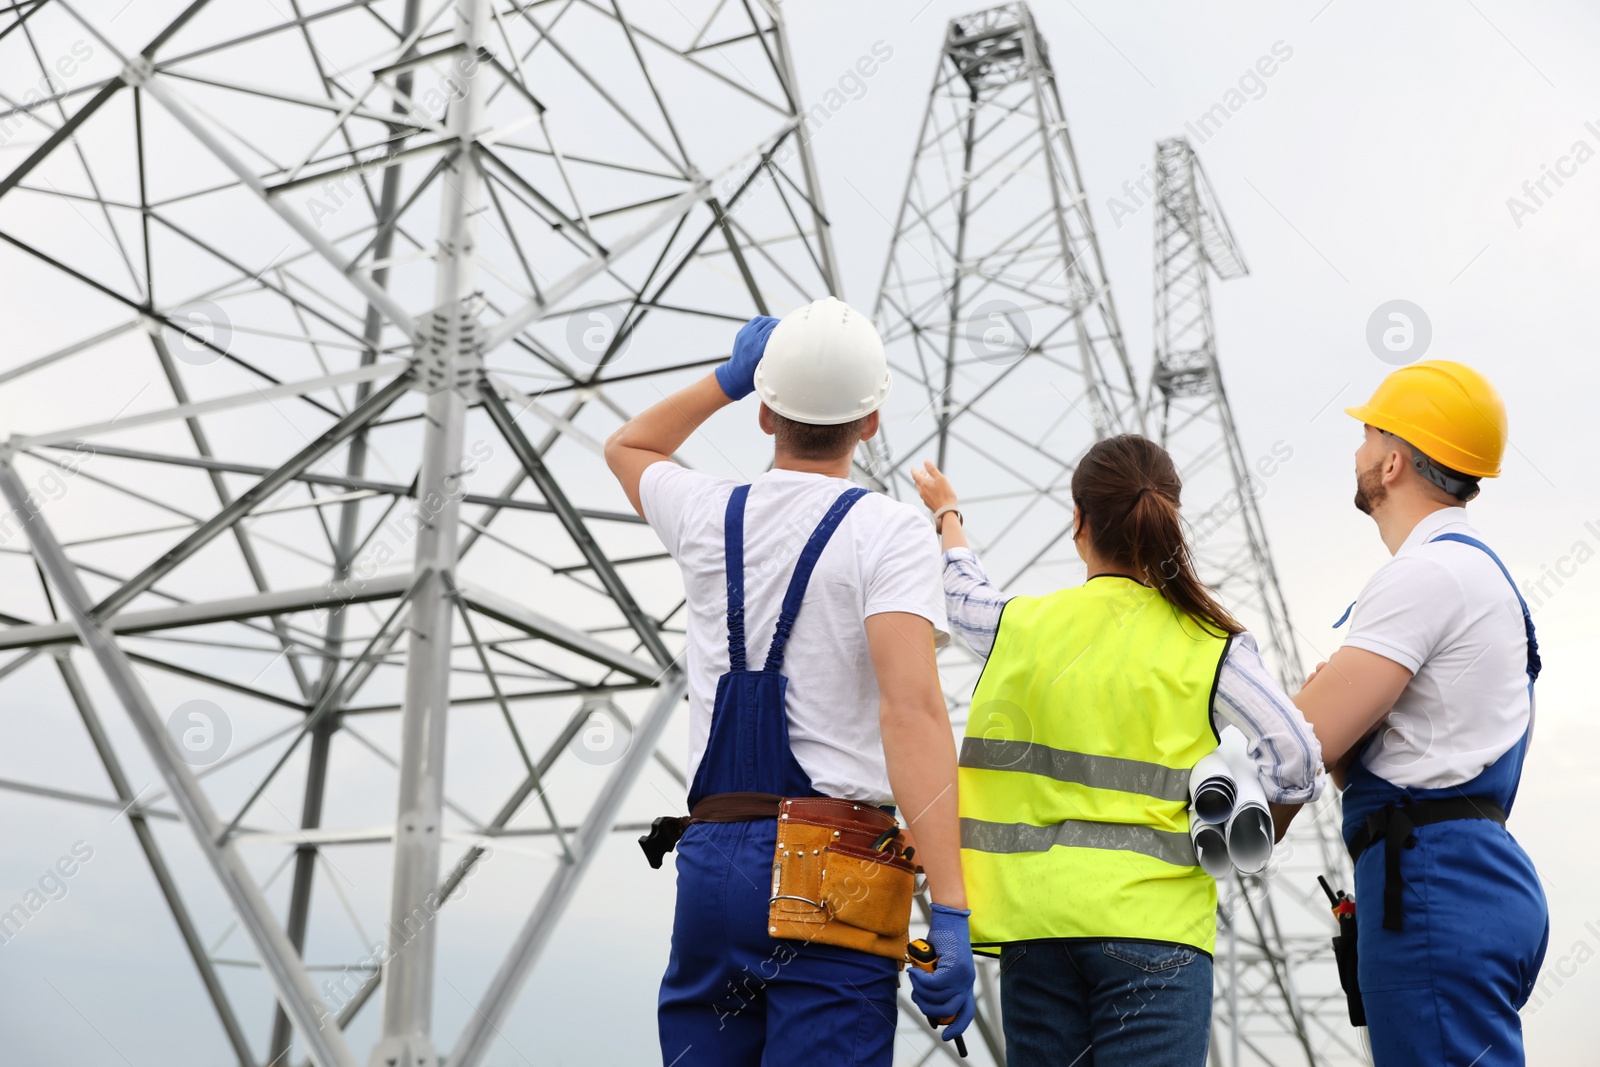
x: 1093, y: 707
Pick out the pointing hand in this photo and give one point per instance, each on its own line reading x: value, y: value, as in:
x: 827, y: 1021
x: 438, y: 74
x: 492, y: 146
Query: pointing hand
x: 936, y: 490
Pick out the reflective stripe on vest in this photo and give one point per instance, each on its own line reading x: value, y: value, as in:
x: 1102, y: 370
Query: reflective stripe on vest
x: 1173, y: 848
x: 1102, y: 772
x: 1092, y: 709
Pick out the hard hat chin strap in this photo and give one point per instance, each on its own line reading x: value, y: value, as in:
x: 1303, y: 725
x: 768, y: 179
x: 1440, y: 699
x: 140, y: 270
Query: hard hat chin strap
x: 1461, y: 486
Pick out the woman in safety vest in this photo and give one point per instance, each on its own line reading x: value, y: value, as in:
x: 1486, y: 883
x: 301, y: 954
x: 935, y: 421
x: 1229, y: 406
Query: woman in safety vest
x: 1094, y: 704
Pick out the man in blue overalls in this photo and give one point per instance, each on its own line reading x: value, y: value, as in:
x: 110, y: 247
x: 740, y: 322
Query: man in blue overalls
x: 843, y: 722
x: 1425, y: 715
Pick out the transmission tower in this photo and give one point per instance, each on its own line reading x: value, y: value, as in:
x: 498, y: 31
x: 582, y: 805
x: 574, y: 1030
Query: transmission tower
x: 1000, y: 326
x: 994, y: 305
x: 328, y: 309
x: 1189, y: 411
x: 1278, y: 998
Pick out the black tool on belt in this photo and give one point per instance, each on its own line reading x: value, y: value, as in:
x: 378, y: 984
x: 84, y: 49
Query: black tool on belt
x: 1344, y: 951
x: 662, y: 838
x: 666, y: 831
x: 1392, y: 824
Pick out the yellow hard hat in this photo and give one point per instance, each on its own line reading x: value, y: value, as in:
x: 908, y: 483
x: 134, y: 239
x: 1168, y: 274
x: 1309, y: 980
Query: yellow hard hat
x: 1447, y: 410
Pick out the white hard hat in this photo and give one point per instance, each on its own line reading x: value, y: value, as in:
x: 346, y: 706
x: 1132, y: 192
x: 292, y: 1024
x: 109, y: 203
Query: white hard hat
x: 823, y: 365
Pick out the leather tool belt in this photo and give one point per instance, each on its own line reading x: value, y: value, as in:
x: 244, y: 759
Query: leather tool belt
x: 1392, y: 824
x: 841, y: 876
x: 840, y: 873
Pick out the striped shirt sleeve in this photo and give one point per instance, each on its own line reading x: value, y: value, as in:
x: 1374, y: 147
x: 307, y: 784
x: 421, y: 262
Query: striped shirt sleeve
x: 971, y: 601
x: 1285, y: 750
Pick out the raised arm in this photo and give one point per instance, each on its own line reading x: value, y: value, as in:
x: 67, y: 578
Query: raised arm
x: 660, y: 430
x: 937, y: 493
x: 971, y: 602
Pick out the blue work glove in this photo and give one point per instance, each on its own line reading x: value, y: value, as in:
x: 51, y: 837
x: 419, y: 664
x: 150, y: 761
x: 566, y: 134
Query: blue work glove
x: 738, y: 376
x: 948, y: 990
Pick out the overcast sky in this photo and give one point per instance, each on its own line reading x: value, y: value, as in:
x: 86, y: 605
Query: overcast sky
x: 1384, y: 159
x: 1379, y: 162
x: 1376, y: 164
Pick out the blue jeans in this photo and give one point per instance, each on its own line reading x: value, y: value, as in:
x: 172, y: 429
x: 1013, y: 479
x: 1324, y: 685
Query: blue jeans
x: 1105, y: 1004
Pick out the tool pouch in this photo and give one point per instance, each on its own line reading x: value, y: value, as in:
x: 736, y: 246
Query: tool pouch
x: 1344, y: 954
x: 840, y: 876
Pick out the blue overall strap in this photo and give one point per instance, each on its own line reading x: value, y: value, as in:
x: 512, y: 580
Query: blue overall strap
x: 802, y: 573
x: 733, y: 563
x: 1534, y: 666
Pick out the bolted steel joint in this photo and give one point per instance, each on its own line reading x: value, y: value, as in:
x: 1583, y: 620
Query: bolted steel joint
x: 451, y: 355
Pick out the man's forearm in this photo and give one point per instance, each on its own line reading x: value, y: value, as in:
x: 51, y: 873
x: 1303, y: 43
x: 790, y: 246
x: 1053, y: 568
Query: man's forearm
x: 921, y: 758
x: 1342, y: 768
x: 660, y: 430
x: 1282, y: 816
x: 663, y: 427
x: 1348, y: 698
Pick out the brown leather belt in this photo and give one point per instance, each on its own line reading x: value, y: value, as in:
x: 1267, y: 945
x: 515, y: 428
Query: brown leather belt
x: 819, y: 811
x: 735, y: 807
x: 860, y: 824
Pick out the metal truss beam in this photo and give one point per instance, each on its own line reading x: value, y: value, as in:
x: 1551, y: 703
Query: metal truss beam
x: 202, y: 613
x: 448, y: 358
x: 189, y: 411
x: 139, y: 823
x: 576, y: 528
x: 345, y: 481
x: 994, y: 302
x: 579, y: 227
x: 294, y: 989
x: 1188, y: 409
x: 484, y: 1026
x: 246, y: 502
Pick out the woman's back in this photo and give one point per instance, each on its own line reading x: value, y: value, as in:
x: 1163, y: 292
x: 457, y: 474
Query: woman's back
x: 1094, y: 704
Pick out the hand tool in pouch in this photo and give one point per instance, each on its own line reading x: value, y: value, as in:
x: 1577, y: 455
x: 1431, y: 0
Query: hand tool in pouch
x: 922, y: 956
x: 1344, y: 950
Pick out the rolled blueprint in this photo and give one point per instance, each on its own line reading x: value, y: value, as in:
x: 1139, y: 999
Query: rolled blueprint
x: 1210, y: 845
x: 1212, y: 788
x: 1249, y: 827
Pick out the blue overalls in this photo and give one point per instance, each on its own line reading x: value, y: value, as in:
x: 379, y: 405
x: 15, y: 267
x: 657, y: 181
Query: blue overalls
x: 1444, y: 989
x: 733, y: 995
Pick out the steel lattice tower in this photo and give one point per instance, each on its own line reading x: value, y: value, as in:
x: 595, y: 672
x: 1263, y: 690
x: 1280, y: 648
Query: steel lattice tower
x: 1189, y: 412
x: 999, y: 323
x: 330, y: 267
x: 1278, y: 998
x: 994, y: 304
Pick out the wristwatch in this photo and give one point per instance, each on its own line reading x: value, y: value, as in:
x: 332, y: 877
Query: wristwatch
x: 938, y: 526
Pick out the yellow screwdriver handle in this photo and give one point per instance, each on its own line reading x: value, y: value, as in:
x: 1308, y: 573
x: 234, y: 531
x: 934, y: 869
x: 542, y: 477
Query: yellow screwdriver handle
x: 922, y: 956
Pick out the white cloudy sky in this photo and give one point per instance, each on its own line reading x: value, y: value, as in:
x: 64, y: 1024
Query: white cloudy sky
x: 1376, y: 165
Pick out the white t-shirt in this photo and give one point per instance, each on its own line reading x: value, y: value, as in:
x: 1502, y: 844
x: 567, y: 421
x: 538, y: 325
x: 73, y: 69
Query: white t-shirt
x: 1446, y: 613
x: 883, y: 557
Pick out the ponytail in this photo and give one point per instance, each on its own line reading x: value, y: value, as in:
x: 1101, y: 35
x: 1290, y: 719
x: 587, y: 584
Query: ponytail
x: 1127, y: 491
